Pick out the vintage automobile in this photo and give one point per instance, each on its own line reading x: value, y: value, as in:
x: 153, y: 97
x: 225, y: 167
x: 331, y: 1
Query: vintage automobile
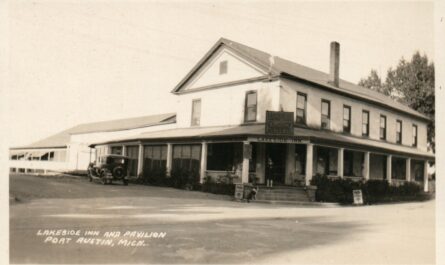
x: 108, y: 168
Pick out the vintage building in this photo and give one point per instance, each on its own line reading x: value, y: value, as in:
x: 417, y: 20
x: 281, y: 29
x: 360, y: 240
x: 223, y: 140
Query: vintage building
x: 253, y: 116
x: 318, y: 124
x: 69, y: 150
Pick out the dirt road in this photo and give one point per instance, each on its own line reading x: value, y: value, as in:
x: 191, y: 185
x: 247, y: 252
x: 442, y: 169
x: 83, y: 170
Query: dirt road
x: 141, y: 224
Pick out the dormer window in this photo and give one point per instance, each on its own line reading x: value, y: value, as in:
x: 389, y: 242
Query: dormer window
x: 223, y: 67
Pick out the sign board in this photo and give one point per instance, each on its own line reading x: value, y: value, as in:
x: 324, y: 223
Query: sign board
x: 239, y: 191
x: 278, y: 139
x: 279, y: 123
x: 358, y: 197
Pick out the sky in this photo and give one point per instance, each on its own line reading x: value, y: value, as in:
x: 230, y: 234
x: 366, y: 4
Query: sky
x: 73, y: 62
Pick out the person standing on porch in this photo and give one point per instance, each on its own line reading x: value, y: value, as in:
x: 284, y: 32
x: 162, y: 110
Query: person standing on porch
x: 269, y: 175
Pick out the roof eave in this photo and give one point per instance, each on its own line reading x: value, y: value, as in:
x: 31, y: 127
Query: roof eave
x: 335, y: 89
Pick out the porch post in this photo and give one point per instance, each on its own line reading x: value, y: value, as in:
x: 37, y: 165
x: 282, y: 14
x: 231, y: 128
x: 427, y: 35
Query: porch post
x: 388, y: 168
x: 340, y: 162
x: 124, y: 150
x: 169, y: 159
x: 425, y: 176
x: 290, y: 164
x: 260, y: 162
x: 309, y: 163
x: 245, y: 170
x: 140, y: 159
x: 408, y: 169
x: 366, y: 174
x: 203, y: 167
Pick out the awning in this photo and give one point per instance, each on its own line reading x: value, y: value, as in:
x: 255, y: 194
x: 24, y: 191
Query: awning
x: 257, y: 132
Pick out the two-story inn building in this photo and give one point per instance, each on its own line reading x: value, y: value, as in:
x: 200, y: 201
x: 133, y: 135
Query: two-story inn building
x: 260, y: 117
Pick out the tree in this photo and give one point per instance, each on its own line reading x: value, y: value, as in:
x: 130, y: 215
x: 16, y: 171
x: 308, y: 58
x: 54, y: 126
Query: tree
x: 374, y: 82
x: 412, y: 83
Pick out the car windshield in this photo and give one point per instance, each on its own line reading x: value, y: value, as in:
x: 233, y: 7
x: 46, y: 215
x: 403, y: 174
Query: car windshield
x: 115, y: 160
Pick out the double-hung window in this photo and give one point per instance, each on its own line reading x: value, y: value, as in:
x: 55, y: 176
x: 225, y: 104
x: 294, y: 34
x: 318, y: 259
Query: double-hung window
x: 414, y: 135
x: 325, y: 114
x: 399, y: 131
x: 346, y: 119
x: 365, y: 123
x: 250, y: 109
x: 382, y: 127
x: 301, y: 108
x: 196, y: 112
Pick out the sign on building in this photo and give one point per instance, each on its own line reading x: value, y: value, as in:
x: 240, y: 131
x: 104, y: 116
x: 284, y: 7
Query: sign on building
x: 279, y: 123
x: 358, y: 197
x: 239, y: 191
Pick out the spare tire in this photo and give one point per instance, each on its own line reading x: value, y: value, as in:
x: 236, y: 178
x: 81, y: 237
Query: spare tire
x: 118, y: 172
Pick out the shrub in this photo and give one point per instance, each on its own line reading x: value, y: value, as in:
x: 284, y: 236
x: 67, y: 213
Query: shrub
x: 336, y: 190
x: 374, y: 191
x: 156, y: 177
x: 181, y: 178
x: 219, y: 188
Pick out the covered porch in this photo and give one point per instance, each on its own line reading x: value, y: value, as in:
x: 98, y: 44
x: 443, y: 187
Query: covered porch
x: 245, y: 154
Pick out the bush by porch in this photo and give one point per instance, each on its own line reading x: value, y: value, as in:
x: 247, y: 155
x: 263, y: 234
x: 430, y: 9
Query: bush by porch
x: 374, y: 191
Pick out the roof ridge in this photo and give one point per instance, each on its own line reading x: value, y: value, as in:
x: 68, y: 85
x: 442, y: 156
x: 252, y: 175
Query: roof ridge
x: 121, y: 119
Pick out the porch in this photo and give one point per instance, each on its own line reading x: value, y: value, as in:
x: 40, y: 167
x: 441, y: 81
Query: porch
x: 289, y: 163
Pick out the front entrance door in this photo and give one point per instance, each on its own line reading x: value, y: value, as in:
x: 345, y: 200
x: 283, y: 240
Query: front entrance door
x: 276, y: 163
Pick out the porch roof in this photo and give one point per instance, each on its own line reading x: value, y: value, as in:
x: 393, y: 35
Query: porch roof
x: 258, y: 130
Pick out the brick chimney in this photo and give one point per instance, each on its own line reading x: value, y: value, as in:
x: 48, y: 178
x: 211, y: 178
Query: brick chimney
x: 334, y: 73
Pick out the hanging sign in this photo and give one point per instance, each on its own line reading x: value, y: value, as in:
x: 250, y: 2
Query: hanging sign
x: 279, y: 123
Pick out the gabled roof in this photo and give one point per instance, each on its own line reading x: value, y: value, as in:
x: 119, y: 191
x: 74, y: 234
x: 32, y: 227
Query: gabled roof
x: 61, y: 139
x: 285, y: 68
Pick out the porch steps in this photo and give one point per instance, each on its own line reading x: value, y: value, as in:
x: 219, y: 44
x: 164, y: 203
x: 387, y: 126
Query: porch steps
x: 281, y: 194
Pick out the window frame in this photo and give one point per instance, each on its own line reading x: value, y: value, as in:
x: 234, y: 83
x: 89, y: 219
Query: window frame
x: 349, y: 119
x: 367, y: 123
x: 246, y: 107
x: 223, y: 67
x: 328, y: 116
x: 398, y: 121
x: 192, y: 123
x: 415, y: 137
x: 384, y: 128
x: 304, y: 119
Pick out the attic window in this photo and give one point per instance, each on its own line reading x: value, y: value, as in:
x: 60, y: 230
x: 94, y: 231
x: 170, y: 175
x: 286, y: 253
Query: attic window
x: 223, y: 67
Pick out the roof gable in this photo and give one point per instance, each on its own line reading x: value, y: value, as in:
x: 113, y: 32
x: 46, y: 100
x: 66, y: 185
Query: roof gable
x: 237, y: 69
x: 274, y: 66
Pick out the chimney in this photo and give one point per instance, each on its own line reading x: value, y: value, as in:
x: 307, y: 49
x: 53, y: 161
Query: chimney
x: 334, y: 74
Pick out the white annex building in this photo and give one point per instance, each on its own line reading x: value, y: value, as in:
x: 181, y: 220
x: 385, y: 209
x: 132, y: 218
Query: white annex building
x: 239, y: 110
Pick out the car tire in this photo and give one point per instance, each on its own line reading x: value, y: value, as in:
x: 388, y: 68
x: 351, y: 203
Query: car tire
x: 125, y: 182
